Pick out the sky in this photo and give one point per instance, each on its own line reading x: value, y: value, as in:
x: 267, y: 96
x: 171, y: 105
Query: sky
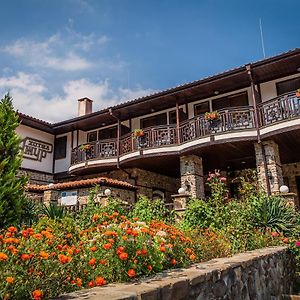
x: 53, y: 52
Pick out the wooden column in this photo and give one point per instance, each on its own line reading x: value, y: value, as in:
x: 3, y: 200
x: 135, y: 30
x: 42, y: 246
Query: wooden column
x: 177, y: 123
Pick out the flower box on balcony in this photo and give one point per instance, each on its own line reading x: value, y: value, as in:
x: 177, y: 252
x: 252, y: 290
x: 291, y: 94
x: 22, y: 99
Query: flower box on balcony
x: 212, y: 116
x: 138, y: 133
x: 85, y: 147
x: 298, y: 93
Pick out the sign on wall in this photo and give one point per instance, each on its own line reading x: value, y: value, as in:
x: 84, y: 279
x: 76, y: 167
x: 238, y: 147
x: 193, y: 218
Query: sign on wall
x: 35, y: 149
x: 69, y: 198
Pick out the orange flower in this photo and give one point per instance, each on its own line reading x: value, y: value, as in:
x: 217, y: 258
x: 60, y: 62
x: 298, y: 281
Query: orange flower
x: 107, y: 246
x: 162, y: 248
x: 95, y: 218
x: 124, y: 237
x: 111, y: 241
x: 144, y: 230
x: 144, y: 252
x: 102, y: 262
x: 134, y: 233
x: 12, y: 249
x: 94, y: 248
x: 150, y: 268
x: 120, y: 250
x: 59, y: 247
x: 92, y: 262
x: 12, y: 229
x: 91, y: 284
x: 188, y: 251
x: 10, y: 280
x: 123, y: 256
x: 78, y: 282
x: 64, y: 259
x: 192, y: 257
x: 25, y: 256
x: 44, y: 255
x: 131, y: 273
x: 128, y: 231
x: 37, y: 295
x: 38, y: 236
x: 100, y: 281
x: 138, y: 252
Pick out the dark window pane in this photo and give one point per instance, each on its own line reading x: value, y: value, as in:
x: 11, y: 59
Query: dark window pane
x: 172, y: 116
x: 154, y: 121
x: 108, y: 133
x: 92, y: 136
x: 230, y: 101
x: 201, y: 108
x: 60, y: 150
x: 288, y: 86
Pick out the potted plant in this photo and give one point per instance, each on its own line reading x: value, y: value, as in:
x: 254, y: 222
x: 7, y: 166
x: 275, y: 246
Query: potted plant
x: 85, y: 147
x: 212, y: 116
x: 138, y: 133
x: 298, y: 93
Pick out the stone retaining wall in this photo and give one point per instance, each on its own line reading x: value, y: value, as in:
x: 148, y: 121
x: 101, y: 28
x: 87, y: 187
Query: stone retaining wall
x: 261, y: 274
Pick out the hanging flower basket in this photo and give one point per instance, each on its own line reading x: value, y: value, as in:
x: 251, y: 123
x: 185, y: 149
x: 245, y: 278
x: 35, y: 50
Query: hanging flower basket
x: 298, y: 93
x: 212, y: 116
x: 138, y: 133
x: 85, y: 147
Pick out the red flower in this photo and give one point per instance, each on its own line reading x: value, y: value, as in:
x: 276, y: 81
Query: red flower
x: 94, y: 248
x: 102, y: 262
x: 144, y: 252
x: 107, y: 246
x: 25, y: 256
x: 150, y: 268
x: 120, y: 250
x: 173, y: 261
x: 3, y: 256
x: 92, y: 262
x: 123, y: 256
x: 274, y: 234
x: 37, y: 295
x: 64, y: 259
x: 162, y: 248
x: 12, y: 229
x: 91, y: 284
x: 100, y: 281
x: 131, y: 273
x: 297, y: 244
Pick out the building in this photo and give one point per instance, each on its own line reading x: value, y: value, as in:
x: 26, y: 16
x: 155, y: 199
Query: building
x: 257, y: 126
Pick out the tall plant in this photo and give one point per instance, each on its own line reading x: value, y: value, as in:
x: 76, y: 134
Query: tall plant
x: 12, y: 197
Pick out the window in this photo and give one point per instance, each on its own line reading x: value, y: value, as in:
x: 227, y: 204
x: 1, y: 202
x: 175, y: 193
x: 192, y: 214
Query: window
x: 60, y: 150
x: 201, y: 108
x: 156, y: 120
x: 172, y: 116
x: 92, y: 136
x: 240, y: 99
x: 287, y: 86
x: 108, y: 133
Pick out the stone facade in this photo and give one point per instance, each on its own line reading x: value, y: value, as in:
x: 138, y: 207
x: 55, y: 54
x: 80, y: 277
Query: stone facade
x: 274, y: 168
x: 83, y: 193
x: 191, y: 171
x: 146, y: 182
x: 36, y: 177
x: 290, y: 173
x: 260, y: 274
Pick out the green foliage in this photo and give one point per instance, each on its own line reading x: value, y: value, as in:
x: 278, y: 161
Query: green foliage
x: 274, y: 213
x: 147, y: 210
x: 31, y: 211
x: 12, y: 195
x: 53, y: 211
x: 198, y: 214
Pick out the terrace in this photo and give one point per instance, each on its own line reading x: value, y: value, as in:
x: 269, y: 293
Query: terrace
x: 239, y: 123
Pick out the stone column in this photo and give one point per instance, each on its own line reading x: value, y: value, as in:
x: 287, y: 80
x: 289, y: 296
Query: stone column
x: 273, y: 165
x: 191, y: 171
x: 51, y: 196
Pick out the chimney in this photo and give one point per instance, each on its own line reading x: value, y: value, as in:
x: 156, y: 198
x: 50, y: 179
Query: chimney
x: 85, y: 106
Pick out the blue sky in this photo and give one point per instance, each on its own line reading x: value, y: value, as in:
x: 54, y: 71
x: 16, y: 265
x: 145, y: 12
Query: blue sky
x: 53, y: 52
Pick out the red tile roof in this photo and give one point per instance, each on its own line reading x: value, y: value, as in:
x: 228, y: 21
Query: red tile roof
x: 80, y: 184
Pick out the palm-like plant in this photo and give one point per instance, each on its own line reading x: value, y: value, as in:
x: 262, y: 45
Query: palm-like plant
x: 53, y: 211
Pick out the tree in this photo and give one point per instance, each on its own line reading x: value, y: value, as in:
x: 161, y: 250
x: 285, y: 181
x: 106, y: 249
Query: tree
x: 12, y: 196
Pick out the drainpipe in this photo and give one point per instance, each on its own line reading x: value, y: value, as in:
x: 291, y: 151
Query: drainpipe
x: 177, y: 123
x: 256, y: 118
x: 118, y: 136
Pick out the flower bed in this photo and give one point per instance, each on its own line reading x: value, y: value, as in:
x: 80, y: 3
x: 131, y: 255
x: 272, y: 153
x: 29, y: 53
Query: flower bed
x: 57, y: 257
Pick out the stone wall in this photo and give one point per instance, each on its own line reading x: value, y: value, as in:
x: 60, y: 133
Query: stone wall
x: 146, y: 182
x: 36, y: 177
x: 261, y: 274
x: 290, y: 171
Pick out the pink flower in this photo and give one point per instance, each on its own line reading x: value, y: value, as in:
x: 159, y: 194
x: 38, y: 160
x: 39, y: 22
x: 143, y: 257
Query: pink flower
x: 223, y: 179
x: 274, y: 234
x: 297, y: 244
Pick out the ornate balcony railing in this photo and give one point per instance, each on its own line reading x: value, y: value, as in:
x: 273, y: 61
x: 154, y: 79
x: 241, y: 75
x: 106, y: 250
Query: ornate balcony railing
x: 276, y: 110
x: 281, y: 108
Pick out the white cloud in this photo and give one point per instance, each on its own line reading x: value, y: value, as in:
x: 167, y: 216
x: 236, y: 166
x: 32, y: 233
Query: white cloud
x: 28, y: 92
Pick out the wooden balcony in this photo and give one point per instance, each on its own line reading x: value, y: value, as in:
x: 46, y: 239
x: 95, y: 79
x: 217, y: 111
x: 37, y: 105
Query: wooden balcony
x: 234, y: 122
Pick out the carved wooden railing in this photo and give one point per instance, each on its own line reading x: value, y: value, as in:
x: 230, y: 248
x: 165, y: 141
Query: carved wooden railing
x: 281, y: 108
x: 276, y: 110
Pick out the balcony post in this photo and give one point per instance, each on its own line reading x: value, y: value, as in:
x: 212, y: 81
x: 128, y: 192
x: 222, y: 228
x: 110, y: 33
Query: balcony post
x: 118, y: 136
x: 177, y: 123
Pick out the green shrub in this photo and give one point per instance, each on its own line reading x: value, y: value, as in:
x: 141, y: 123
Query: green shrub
x: 198, y: 214
x: 53, y: 211
x: 147, y: 210
x: 273, y: 212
